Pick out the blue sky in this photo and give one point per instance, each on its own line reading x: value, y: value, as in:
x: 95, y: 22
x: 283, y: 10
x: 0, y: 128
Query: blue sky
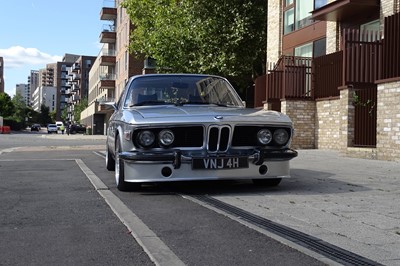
x: 34, y: 33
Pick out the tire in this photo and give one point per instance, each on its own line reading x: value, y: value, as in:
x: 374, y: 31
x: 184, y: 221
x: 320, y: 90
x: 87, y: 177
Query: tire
x: 110, y: 162
x: 271, y: 182
x: 120, y: 173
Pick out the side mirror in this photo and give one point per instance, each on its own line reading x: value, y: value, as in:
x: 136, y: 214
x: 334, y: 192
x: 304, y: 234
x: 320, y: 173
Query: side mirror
x: 109, y: 105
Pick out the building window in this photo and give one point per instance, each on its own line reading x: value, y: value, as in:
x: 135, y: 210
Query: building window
x: 288, y: 21
x: 369, y: 32
x: 304, y: 50
x: 311, y: 49
x: 288, y: 2
x: 319, y: 3
x: 303, y: 13
x: 297, y: 13
x: 319, y: 48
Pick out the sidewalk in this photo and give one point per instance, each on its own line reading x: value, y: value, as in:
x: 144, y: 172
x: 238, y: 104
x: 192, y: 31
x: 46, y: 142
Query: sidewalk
x: 73, y: 136
x: 349, y: 202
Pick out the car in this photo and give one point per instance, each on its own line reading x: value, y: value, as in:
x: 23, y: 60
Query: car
x: 59, y: 124
x: 187, y: 127
x: 35, y: 127
x: 76, y: 128
x: 52, y: 128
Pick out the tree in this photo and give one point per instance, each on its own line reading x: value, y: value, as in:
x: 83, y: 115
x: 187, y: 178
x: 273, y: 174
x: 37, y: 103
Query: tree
x: 78, y: 109
x: 45, y: 115
x: 215, y: 37
x: 6, y: 105
x: 20, y: 108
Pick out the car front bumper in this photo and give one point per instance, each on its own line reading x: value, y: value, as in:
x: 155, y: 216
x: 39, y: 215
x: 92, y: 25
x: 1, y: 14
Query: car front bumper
x: 176, y: 165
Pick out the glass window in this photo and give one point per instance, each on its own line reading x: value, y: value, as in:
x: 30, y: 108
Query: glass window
x: 319, y: 47
x: 288, y: 21
x: 288, y: 2
x: 305, y: 50
x: 303, y: 13
x: 319, y: 3
x: 369, y: 32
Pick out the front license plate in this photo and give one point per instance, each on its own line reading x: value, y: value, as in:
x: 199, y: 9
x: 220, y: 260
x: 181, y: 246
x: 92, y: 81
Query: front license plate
x: 220, y: 163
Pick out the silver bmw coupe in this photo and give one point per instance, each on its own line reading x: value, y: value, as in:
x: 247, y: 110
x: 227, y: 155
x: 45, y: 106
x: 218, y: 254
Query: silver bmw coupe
x: 185, y: 127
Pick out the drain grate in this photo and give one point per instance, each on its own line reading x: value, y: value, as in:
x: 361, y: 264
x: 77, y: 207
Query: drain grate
x: 330, y: 251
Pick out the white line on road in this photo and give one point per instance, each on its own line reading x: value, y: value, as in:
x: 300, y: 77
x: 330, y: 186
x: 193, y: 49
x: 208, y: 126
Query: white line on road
x: 157, y: 250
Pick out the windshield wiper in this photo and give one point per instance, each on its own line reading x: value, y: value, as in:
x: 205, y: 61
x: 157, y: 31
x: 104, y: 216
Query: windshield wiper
x: 148, y: 103
x: 201, y: 103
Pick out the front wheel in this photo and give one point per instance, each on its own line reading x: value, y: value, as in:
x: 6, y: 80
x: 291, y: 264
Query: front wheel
x: 268, y: 182
x: 110, y: 162
x: 120, y: 172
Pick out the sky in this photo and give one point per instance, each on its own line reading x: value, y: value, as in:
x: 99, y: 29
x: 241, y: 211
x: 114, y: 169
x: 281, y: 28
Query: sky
x: 34, y: 33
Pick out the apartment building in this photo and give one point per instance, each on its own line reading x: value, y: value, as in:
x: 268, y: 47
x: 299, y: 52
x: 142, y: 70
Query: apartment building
x: 33, y: 82
x: 112, y: 68
x: 24, y: 91
x: 1, y: 74
x: 44, y: 95
x: 333, y: 68
x: 77, y: 84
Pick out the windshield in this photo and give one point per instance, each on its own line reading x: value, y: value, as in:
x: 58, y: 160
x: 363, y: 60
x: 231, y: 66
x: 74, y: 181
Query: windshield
x: 181, y: 90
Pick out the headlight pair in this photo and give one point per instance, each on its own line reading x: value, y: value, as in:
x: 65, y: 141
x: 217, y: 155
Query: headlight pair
x: 279, y: 136
x: 147, y: 138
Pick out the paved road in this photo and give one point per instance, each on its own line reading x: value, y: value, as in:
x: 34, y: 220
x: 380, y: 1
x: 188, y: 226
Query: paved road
x: 350, y: 203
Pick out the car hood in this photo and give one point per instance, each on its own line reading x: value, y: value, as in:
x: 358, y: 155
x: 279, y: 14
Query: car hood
x: 204, y: 114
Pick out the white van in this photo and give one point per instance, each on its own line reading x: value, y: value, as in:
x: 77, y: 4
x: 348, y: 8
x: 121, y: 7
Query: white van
x: 59, y: 124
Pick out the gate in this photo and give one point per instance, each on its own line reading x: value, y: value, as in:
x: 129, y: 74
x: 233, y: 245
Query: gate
x: 365, y: 101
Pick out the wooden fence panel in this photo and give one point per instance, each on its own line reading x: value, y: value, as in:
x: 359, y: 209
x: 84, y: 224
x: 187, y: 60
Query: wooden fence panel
x: 327, y: 75
x: 391, y: 47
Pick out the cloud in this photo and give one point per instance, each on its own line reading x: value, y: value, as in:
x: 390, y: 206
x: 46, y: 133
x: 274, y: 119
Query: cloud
x: 17, y: 56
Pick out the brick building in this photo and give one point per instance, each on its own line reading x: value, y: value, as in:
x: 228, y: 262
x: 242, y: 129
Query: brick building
x: 112, y: 67
x: 333, y: 68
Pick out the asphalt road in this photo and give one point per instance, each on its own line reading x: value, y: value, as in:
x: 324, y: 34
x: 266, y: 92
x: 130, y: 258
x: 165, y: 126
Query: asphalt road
x: 59, y: 205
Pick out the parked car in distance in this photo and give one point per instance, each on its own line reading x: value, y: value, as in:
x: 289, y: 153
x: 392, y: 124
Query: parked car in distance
x: 52, y: 128
x: 35, y: 127
x: 76, y: 128
x: 59, y: 124
x: 183, y: 127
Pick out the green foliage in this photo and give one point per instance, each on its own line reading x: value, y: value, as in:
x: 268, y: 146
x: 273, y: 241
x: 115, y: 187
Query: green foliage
x: 6, y: 105
x: 20, y: 108
x: 213, y: 37
x: 78, y: 108
x: 45, y: 115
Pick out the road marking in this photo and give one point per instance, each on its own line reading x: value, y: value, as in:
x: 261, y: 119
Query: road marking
x: 157, y: 250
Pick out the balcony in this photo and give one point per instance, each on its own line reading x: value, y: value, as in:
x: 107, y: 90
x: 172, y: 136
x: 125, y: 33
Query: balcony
x: 108, y: 60
x: 76, y: 98
x: 75, y: 88
x: 75, y: 67
x: 76, y: 76
x: 108, y: 13
x: 108, y: 34
x: 107, y: 84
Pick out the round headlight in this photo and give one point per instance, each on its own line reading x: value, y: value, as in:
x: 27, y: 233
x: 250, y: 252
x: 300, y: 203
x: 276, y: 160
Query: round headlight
x: 166, y: 137
x: 146, y: 138
x: 281, y: 136
x: 264, y: 136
